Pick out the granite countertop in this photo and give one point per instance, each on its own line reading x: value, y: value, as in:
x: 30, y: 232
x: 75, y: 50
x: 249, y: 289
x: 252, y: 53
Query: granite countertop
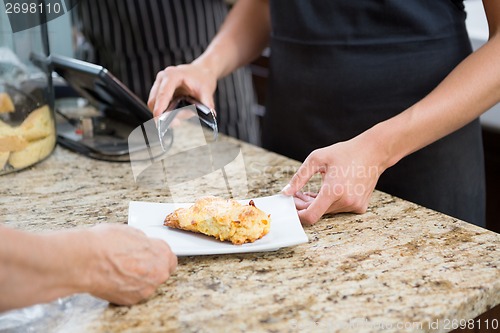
x: 398, y: 267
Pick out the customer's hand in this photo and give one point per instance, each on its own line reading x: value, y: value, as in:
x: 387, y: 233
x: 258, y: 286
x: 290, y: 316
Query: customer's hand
x: 125, y: 266
x: 193, y: 80
x: 350, y: 171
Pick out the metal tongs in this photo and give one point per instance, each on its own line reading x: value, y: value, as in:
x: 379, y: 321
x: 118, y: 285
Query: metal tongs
x: 184, y: 108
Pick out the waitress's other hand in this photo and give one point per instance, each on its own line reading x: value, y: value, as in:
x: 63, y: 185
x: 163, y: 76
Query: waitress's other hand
x: 193, y: 80
x: 350, y: 170
x: 125, y: 266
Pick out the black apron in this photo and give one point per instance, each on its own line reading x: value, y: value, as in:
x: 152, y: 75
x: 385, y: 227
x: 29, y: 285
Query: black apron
x: 339, y: 67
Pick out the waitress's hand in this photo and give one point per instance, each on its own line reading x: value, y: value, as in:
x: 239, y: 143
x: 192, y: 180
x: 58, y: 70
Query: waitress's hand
x: 193, y: 80
x: 350, y: 171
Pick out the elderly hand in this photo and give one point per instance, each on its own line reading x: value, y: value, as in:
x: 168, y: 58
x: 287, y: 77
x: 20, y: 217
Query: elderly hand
x: 126, y: 266
x: 350, y: 170
x: 115, y: 262
x: 193, y: 80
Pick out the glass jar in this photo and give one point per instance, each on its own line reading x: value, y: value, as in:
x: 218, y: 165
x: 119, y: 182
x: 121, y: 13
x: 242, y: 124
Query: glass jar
x: 27, y: 126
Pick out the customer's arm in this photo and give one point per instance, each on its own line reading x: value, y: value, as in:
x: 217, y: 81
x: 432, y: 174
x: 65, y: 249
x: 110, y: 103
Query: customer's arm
x: 242, y: 37
x: 468, y: 91
x: 114, y: 262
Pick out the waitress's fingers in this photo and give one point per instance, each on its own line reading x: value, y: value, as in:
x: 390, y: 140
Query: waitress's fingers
x: 165, y: 91
x: 153, y: 92
x: 348, y: 206
x: 207, y: 98
x: 319, y: 206
x: 301, y: 204
x: 304, y: 196
x: 302, y: 201
x: 350, y: 203
x: 164, y: 95
x: 309, y: 168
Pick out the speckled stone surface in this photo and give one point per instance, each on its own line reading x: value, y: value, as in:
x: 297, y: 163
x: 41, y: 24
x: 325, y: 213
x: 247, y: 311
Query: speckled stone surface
x: 397, y: 268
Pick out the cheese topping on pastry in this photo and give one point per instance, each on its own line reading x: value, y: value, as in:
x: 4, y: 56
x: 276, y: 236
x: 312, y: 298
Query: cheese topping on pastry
x: 224, y: 219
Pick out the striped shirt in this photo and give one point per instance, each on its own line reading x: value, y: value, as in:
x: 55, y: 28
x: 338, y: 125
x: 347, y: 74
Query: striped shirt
x: 135, y: 39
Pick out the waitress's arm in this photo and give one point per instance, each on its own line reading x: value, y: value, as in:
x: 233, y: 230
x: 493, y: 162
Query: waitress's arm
x: 469, y: 90
x: 241, y: 39
x: 351, y: 169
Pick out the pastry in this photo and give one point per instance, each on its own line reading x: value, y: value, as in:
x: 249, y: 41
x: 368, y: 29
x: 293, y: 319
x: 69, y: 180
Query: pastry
x: 224, y: 219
